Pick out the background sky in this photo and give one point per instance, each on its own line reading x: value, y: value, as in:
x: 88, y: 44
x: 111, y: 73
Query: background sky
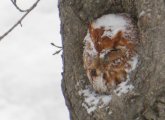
x: 30, y: 76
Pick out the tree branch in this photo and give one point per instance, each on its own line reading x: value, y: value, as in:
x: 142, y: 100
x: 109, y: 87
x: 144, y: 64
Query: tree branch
x: 60, y: 48
x: 55, y: 45
x: 18, y: 8
x: 20, y: 20
x: 57, y: 52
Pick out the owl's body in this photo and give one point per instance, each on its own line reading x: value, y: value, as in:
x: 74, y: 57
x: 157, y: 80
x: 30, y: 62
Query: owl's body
x: 110, y: 46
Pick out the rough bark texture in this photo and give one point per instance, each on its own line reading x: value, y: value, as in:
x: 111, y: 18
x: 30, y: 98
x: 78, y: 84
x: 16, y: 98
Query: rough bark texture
x: 147, y: 101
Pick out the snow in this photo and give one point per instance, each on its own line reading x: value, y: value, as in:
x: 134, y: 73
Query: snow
x: 92, y: 51
x: 123, y: 88
x: 133, y: 62
x: 92, y: 100
x: 142, y: 14
x: 110, y: 21
x: 110, y: 112
x: 30, y: 79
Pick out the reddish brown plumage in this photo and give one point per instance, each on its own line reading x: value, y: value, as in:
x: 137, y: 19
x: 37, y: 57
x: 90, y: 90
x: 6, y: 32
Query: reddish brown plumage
x: 111, y: 68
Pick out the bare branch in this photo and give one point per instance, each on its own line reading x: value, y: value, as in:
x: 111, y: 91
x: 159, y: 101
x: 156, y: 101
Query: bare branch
x: 18, y: 8
x: 20, y: 20
x: 57, y: 52
x: 60, y: 49
x: 55, y: 45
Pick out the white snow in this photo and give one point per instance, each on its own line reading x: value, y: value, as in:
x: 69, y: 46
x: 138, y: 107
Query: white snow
x: 142, y: 14
x: 107, y: 33
x: 110, y: 112
x: 110, y: 21
x: 92, y: 51
x: 92, y: 100
x: 123, y: 88
x: 133, y: 62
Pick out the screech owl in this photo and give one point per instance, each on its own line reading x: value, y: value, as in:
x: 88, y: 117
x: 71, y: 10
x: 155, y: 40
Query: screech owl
x: 109, y: 51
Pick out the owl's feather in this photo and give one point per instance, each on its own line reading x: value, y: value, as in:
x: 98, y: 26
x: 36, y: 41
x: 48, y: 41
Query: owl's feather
x: 109, y: 50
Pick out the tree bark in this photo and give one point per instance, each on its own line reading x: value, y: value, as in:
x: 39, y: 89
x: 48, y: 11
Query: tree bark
x: 147, y: 100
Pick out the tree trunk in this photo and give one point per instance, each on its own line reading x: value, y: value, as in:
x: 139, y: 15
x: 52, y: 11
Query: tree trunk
x: 147, y: 99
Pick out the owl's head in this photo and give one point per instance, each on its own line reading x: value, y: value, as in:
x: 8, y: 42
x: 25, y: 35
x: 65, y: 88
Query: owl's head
x: 102, y: 42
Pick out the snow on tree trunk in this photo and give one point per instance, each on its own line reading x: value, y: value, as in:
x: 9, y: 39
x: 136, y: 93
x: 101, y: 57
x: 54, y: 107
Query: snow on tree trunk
x: 147, y: 99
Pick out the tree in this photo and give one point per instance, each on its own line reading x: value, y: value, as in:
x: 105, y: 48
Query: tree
x: 147, y: 101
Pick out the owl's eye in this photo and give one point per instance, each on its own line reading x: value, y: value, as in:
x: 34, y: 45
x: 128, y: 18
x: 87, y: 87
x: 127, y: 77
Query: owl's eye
x: 93, y: 72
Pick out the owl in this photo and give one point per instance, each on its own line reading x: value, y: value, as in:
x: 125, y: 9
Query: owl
x: 110, y: 51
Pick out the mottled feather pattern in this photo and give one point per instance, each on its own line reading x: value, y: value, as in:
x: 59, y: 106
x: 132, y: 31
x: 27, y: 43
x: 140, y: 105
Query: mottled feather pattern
x: 110, y: 48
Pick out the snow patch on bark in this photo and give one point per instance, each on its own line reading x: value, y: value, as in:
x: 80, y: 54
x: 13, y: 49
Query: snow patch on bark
x: 92, y: 100
x: 123, y: 88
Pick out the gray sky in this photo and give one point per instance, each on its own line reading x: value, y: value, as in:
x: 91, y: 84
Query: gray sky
x: 30, y: 79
